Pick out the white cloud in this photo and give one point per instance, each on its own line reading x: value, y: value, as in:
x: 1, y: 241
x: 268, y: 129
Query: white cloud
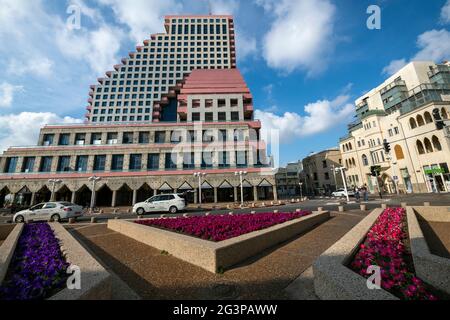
x: 320, y: 116
x: 301, y: 37
x: 434, y: 45
x: 445, y: 12
x: 27, y: 132
x: 39, y: 66
x: 99, y: 48
x: 224, y: 6
x: 7, y: 92
x: 246, y: 45
x: 143, y: 17
x: 394, y: 66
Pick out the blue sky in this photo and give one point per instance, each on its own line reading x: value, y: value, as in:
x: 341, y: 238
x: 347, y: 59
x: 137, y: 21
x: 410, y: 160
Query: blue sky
x: 305, y: 61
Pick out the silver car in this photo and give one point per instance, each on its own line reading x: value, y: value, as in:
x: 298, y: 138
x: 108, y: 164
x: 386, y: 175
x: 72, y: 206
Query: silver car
x: 49, y: 211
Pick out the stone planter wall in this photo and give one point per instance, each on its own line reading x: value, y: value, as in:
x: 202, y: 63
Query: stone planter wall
x: 433, y: 269
x: 213, y: 256
x: 333, y: 280
x: 95, y: 280
x: 7, y: 250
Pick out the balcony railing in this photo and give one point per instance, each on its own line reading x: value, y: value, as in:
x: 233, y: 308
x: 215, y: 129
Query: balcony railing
x: 393, y: 85
x: 438, y: 69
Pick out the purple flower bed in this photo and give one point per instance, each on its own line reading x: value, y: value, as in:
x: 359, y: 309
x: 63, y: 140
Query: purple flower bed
x: 219, y: 228
x: 38, y: 267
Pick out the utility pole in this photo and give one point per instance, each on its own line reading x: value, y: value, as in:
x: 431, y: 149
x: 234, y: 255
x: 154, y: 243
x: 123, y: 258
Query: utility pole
x: 199, y: 175
x: 93, y: 180
x: 342, y: 169
x: 54, y: 182
x: 241, y: 174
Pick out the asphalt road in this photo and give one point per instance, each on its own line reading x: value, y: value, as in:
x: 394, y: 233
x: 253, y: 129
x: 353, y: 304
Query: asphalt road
x: 312, y: 204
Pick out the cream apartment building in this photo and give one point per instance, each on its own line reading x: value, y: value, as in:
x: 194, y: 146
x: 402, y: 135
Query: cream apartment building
x: 403, y: 111
x: 319, y: 175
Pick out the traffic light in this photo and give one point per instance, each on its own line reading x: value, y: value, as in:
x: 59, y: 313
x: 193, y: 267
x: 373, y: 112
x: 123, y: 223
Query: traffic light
x: 387, y: 146
x: 375, y: 171
x: 437, y: 119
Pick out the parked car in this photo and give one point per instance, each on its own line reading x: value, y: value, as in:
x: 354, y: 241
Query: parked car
x: 341, y: 193
x: 49, y: 211
x: 171, y: 203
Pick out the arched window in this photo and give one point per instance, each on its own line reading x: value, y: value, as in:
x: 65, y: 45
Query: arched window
x: 412, y: 123
x: 420, y: 148
x: 444, y: 113
x: 428, y: 146
x: 420, y: 121
x: 353, y: 162
x: 436, y: 144
x: 350, y: 146
x: 346, y: 163
x: 365, y: 161
x: 428, y: 118
x: 399, y: 152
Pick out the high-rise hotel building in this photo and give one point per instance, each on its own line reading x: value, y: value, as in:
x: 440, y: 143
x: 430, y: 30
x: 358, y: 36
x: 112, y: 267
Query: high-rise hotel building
x: 175, y: 107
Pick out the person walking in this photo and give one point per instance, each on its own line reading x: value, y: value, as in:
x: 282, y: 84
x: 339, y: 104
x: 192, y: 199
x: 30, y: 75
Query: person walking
x: 365, y: 193
x: 357, y: 195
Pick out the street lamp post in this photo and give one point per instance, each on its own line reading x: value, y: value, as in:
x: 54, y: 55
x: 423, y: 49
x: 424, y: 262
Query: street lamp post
x: 93, y: 180
x: 199, y: 175
x: 54, y: 182
x: 342, y: 169
x: 301, y: 191
x: 241, y: 174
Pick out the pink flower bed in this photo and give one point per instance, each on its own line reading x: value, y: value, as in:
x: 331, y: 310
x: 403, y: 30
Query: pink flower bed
x: 385, y: 247
x: 219, y: 228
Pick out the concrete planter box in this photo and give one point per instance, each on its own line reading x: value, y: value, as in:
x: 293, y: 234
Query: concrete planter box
x: 7, y: 249
x: 333, y: 280
x: 433, y: 269
x: 95, y: 280
x: 213, y: 256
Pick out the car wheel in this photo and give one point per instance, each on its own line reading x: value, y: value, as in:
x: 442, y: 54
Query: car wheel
x: 140, y: 211
x: 55, y: 218
x: 173, y: 209
x: 19, y: 219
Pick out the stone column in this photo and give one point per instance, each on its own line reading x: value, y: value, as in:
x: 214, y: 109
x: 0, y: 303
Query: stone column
x: 155, y: 192
x: 33, y: 198
x: 19, y: 164
x: 275, y: 195
x: 255, y: 193
x: 114, y: 197
x: 162, y: 160
x: 73, y: 197
x: 108, y: 162
x: 54, y: 166
x: 134, y: 197
x: 196, y: 196
x: 126, y: 162
x: 144, y: 161
x: 215, y: 194
x: 235, y: 189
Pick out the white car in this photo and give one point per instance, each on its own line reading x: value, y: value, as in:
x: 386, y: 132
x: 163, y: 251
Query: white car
x: 49, y: 211
x: 341, y: 193
x: 171, y: 203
